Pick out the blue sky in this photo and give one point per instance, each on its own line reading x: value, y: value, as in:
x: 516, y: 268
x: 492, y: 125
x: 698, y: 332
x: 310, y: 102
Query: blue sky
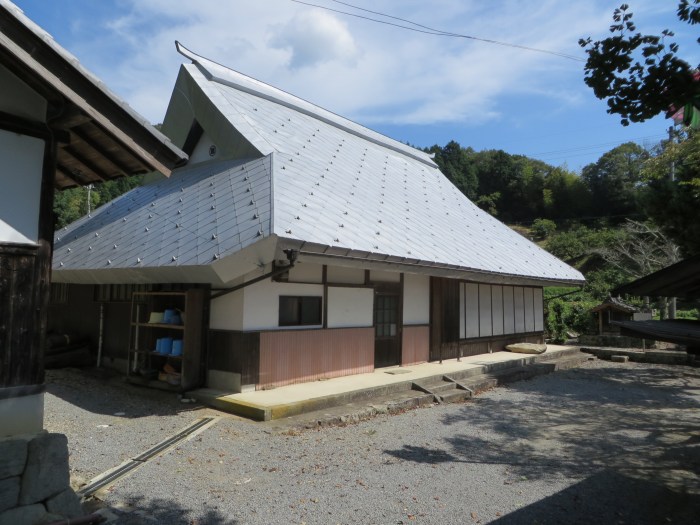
x: 417, y: 88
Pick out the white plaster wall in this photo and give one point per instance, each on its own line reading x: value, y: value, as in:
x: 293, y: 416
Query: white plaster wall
x: 539, y: 310
x: 529, y: 310
x: 261, y: 303
x: 342, y: 275
x: 471, y: 310
x: 485, y: 329
x: 226, y: 312
x: 201, y: 150
x: 19, y: 99
x: 350, y: 307
x: 497, y: 309
x: 378, y: 276
x: 416, y: 299
x: 306, y: 273
x: 20, y: 179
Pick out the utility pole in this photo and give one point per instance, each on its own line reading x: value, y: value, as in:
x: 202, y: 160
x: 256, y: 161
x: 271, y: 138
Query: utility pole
x: 89, y: 203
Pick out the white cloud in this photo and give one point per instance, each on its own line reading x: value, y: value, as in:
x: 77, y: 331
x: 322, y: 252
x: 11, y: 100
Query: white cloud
x: 314, y: 37
x: 370, y: 72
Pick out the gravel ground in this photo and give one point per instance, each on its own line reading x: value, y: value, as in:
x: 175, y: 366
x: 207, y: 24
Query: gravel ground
x: 605, y: 443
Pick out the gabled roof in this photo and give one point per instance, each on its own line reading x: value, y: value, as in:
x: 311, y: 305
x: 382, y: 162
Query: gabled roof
x: 341, y: 190
x: 615, y: 304
x: 100, y: 137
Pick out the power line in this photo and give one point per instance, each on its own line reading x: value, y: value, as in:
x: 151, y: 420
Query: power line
x: 419, y: 28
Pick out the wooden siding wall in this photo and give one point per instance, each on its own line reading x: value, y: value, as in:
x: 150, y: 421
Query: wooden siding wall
x: 237, y: 352
x: 20, y: 356
x: 79, y: 316
x: 415, y: 347
x: 298, y: 356
x: 476, y: 347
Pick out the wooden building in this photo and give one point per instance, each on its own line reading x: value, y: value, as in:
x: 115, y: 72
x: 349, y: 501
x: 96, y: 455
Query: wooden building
x: 59, y: 127
x: 612, y: 309
x: 323, y: 248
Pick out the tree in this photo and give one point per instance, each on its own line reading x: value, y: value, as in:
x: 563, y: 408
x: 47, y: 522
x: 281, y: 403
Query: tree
x: 639, y: 249
x: 454, y: 161
x: 674, y: 204
x: 543, y: 228
x: 640, y: 75
x: 614, y: 181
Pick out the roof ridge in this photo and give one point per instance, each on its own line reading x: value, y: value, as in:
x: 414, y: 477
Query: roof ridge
x: 238, y: 80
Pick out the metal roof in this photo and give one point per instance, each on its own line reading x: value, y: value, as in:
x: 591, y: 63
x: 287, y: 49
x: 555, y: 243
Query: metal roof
x: 337, y: 189
x: 197, y: 216
x: 99, y: 136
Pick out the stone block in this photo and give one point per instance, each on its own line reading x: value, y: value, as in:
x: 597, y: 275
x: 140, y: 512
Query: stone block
x: 26, y: 515
x: 14, y: 457
x: 619, y: 358
x: 9, y: 492
x: 66, y: 504
x: 46, y: 473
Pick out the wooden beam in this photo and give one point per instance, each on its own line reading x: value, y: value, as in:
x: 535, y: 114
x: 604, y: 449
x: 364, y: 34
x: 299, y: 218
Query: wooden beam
x: 124, y: 170
x: 88, y: 165
x: 39, y: 58
x: 70, y: 175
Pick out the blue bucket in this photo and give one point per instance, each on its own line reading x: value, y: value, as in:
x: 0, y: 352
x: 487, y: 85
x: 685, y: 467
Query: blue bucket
x: 169, y: 316
x: 159, y: 345
x: 177, y: 347
x: 166, y: 345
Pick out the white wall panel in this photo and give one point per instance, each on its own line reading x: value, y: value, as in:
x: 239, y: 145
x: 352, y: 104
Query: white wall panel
x: 529, y: 310
x: 462, y: 312
x: 471, y: 311
x: 416, y: 299
x: 379, y: 276
x: 539, y: 310
x: 20, y: 177
x: 497, y: 309
x: 226, y: 312
x: 485, y: 329
x: 350, y: 307
x: 519, y: 309
x: 306, y: 273
x: 508, y: 310
x: 261, y: 303
x: 342, y: 275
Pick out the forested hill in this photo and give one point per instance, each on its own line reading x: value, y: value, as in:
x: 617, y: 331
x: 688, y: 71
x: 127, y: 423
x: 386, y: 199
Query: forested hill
x: 518, y: 189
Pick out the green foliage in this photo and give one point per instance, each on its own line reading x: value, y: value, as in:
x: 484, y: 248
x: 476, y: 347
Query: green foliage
x: 614, y: 181
x: 674, y: 205
x: 543, y: 228
x: 641, y: 75
x: 71, y: 204
x: 568, y: 316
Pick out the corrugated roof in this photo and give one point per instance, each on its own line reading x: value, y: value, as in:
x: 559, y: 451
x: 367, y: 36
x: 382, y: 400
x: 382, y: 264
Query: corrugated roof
x: 336, y: 187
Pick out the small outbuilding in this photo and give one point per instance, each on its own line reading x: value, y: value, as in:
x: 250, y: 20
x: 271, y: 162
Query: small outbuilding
x: 612, y: 309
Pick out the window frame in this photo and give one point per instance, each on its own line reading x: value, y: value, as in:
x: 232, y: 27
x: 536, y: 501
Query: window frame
x: 313, y: 301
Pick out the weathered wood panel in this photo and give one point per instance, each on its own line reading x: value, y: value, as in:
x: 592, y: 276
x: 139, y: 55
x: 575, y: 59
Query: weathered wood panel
x: 237, y: 352
x: 415, y: 346
x: 476, y: 347
x: 20, y: 359
x: 298, y: 356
